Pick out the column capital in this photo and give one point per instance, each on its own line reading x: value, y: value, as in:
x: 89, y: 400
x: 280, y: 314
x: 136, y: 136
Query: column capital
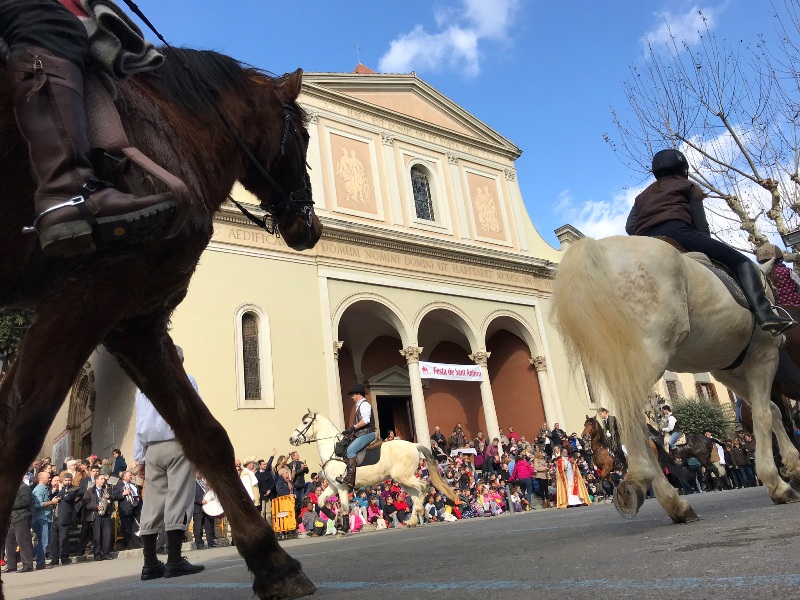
x: 411, y: 354
x: 387, y: 138
x: 539, y: 363
x: 452, y: 158
x: 480, y: 358
x: 337, y: 345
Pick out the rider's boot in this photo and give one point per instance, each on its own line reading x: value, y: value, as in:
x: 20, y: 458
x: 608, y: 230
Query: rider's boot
x: 350, y: 476
x: 750, y: 279
x: 73, y: 208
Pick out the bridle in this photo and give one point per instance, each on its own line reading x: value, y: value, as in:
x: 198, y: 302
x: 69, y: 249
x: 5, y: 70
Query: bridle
x: 292, y: 205
x: 302, y: 434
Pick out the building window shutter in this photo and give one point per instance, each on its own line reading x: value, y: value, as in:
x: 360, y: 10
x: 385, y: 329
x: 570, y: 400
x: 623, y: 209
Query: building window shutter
x: 250, y: 357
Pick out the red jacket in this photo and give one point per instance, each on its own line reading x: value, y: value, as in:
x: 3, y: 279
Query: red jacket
x: 522, y: 470
x: 75, y: 7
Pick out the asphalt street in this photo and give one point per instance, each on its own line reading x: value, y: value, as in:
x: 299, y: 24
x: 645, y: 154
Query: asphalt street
x: 744, y: 546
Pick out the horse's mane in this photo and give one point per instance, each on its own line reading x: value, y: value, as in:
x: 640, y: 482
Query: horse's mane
x: 192, y: 78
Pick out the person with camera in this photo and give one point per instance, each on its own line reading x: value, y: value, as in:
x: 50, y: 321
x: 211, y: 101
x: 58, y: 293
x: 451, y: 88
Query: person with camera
x: 69, y: 497
x: 129, y: 504
x: 362, y: 433
x: 42, y: 516
x: 97, y: 510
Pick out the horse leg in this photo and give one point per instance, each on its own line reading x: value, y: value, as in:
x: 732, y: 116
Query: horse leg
x: 55, y: 348
x: 789, y: 454
x: 344, y: 513
x: 146, y: 352
x: 753, y: 382
x: 415, y: 490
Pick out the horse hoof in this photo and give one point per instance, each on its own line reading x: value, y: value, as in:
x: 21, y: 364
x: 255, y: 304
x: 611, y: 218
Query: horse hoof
x: 788, y: 497
x: 628, y: 499
x: 296, y: 585
x: 688, y: 516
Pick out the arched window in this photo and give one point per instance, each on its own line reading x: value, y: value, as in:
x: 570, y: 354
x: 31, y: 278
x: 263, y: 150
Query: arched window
x: 250, y: 357
x: 254, y: 387
x: 423, y: 201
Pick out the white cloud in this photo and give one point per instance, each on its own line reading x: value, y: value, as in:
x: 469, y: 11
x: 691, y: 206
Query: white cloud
x: 598, y: 218
x: 463, y: 27
x: 687, y: 27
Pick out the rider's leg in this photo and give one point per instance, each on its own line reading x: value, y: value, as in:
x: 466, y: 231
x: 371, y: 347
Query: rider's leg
x: 49, y: 50
x: 356, y: 446
x: 746, y: 272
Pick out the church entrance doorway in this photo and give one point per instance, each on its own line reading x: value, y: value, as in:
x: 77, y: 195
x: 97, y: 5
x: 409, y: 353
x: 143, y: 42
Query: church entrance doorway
x: 395, y: 414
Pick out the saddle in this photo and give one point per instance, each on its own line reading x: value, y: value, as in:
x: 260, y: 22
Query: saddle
x: 719, y: 270
x: 370, y: 455
x: 681, y: 442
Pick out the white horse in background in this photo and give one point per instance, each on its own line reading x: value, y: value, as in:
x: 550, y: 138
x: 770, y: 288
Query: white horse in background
x: 630, y: 308
x: 399, y: 461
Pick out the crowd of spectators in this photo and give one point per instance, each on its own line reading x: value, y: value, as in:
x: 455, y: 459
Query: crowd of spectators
x: 490, y: 477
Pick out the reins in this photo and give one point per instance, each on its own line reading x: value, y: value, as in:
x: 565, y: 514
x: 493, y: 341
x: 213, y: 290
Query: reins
x: 297, y: 203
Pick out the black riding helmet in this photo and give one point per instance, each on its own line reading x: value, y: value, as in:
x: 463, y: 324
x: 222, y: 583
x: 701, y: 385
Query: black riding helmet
x: 670, y: 162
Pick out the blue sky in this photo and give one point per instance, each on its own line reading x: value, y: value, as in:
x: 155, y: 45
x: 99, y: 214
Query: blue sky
x: 543, y: 74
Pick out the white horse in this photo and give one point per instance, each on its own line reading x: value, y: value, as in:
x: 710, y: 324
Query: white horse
x: 399, y: 461
x: 629, y: 308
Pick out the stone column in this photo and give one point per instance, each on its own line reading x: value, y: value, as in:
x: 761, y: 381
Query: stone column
x: 550, y: 412
x: 411, y: 354
x: 481, y: 358
x: 337, y: 409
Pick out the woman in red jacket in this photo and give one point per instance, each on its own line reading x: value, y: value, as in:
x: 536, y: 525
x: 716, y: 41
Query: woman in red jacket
x: 524, y: 474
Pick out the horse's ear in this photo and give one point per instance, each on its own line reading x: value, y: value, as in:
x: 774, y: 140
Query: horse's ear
x: 309, y: 412
x: 291, y: 84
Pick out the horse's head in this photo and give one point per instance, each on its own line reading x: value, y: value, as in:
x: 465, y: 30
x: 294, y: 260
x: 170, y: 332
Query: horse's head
x: 281, y: 144
x: 589, y: 427
x: 304, y: 432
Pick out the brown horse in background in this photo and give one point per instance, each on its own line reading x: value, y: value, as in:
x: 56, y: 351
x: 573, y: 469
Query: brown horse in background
x: 601, y: 456
x: 123, y: 297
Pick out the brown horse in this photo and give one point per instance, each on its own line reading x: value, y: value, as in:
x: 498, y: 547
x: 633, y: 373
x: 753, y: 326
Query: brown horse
x: 123, y: 297
x: 601, y: 456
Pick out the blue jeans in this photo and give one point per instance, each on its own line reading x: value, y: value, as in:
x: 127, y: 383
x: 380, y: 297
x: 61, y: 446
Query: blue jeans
x: 42, y: 530
x: 673, y: 438
x: 358, y: 444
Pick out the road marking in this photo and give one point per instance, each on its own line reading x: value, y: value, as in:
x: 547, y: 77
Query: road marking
x: 565, y: 584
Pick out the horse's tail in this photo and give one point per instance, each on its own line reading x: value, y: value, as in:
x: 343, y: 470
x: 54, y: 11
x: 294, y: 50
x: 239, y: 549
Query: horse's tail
x: 433, y: 473
x: 601, y: 332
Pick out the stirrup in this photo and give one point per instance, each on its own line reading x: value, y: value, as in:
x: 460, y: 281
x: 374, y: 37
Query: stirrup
x: 76, y: 201
x: 779, y: 311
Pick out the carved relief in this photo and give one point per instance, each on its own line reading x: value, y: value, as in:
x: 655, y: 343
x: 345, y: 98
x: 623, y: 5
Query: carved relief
x: 337, y: 345
x: 387, y: 138
x: 539, y: 363
x: 411, y: 353
x: 487, y: 211
x: 480, y: 358
x: 511, y: 174
x: 452, y: 158
x: 488, y: 217
x: 353, y: 174
x: 351, y: 170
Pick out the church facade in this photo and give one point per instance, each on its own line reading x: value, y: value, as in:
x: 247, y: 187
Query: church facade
x: 428, y: 254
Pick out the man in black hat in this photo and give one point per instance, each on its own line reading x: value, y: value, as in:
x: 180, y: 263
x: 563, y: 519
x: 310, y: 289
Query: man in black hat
x: 362, y: 432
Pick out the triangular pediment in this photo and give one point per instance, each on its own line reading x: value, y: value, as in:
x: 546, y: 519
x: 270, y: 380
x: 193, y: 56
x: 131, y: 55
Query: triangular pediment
x: 404, y: 98
x: 391, y: 377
